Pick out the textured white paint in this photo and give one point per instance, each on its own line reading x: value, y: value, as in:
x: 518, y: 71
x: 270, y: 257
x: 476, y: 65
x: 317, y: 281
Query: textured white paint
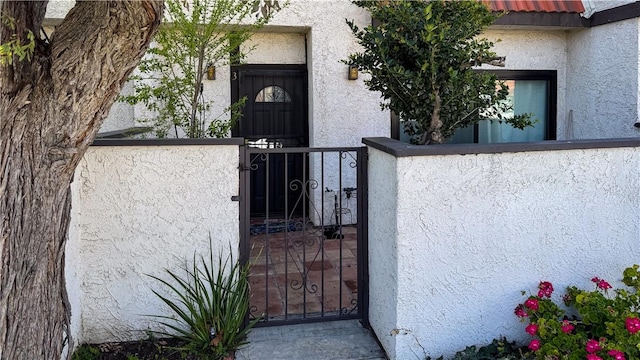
x: 534, y: 50
x: 73, y: 269
x: 468, y: 237
x: 57, y: 10
x: 275, y: 48
x: 383, y: 249
x: 121, y: 114
x: 139, y: 210
x: 602, y: 81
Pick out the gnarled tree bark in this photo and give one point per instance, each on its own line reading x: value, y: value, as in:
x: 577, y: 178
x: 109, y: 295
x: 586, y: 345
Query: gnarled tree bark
x: 50, y: 110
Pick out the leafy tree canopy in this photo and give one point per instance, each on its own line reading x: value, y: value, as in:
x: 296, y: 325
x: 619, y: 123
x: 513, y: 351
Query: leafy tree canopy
x: 421, y: 57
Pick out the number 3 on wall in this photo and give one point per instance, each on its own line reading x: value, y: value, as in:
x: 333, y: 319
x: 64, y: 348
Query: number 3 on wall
x: 234, y: 76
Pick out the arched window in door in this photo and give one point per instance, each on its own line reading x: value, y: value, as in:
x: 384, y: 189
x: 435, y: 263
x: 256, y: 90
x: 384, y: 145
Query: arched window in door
x: 273, y: 94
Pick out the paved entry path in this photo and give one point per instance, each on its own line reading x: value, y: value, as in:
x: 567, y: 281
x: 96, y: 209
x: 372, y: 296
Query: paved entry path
x: 333, y: 340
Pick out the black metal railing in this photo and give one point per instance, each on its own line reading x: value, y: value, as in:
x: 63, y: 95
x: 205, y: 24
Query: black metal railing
x: 303, y: 223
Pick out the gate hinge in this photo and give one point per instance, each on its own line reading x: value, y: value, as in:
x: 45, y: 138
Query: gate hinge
x: 243, y: 167
x: 236, y: 198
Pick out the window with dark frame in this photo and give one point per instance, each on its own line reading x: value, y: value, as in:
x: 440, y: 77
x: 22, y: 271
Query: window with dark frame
x: 530, y: 91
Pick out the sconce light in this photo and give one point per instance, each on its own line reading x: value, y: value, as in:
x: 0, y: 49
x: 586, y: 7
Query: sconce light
x: 211, y: 72
x: 353, y: 72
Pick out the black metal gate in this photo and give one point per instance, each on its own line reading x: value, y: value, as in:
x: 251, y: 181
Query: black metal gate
x: 309, y: 258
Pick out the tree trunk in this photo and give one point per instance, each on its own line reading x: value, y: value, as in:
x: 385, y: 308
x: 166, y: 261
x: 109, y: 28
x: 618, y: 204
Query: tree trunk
x: 433, y: 135
x: 51, y: 109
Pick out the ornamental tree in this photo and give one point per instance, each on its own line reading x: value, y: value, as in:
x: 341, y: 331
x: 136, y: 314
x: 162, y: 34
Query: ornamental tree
x: 196, y: 34
x: 421, y: 56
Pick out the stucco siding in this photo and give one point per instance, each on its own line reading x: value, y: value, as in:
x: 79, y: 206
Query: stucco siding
x: 605, y: 78
x: 139, y: 210
x: 383, y: 249
x: 275, y: 48
x: 475, y: 230
x: 73, y: 269
x: 603, y: 81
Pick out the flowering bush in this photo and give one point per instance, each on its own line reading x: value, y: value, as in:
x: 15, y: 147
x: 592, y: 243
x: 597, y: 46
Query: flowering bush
x: 606, y: 324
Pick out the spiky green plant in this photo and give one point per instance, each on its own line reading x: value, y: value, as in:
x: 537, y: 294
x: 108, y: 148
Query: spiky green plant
x: 209, y: 304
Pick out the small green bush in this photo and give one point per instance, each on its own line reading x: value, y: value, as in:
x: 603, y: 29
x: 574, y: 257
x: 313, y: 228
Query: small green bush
x: 86, y: 352
x: 498, y: 349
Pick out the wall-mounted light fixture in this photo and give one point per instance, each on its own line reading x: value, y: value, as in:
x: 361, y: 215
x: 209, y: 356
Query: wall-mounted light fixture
x: 211, y: 72
x: 353, y: 72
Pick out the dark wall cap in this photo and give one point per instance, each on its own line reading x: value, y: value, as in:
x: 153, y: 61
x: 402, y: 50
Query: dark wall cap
x: 166, y: 142
x: 400, y: 149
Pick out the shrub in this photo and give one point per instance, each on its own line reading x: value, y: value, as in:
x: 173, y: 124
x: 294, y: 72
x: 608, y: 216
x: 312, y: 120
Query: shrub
x: 498, y: 349
x: 211, y: 307
x: 597, y: 324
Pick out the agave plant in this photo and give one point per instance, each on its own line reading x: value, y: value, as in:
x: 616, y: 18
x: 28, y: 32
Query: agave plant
x: 209, y: 305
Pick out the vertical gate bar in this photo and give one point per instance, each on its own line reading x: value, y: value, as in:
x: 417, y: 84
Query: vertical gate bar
x: 363, y: 235
x: 266, y: 232
x: 305, y: 273
x: 322, y: 226
x: 286, y: 234
x: 339, y: 229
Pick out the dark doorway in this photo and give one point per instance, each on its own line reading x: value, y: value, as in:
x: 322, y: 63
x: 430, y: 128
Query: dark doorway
x: 274, y: 116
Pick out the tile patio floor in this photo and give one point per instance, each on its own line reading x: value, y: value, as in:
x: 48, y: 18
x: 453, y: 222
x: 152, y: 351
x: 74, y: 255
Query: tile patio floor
x: 303, y: 273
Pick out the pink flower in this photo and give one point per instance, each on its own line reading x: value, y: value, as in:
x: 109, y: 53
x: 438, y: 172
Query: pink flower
x: 567, y: 327
x: 534, y: 345
x: 632, y: 324
x: 593, y: 357
x: 618, y: 355
x: 593, y: 346
x: 546, y: 289
x: 532, y: 304
x: 604, y: 285
x: 601, y: 284
x: 520, y: 311
x: 532, y: 329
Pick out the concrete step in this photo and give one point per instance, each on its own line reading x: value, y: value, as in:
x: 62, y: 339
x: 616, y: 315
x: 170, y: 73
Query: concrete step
x: 333, y: 340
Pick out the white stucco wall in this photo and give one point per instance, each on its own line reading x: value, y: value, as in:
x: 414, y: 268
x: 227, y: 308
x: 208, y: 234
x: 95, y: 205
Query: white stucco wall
x: 383, y: 249
x: 73, y: 269
x: 469, y: 236
x: 275, y: 48
x: 138, y: 210
x: 602, y: 81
